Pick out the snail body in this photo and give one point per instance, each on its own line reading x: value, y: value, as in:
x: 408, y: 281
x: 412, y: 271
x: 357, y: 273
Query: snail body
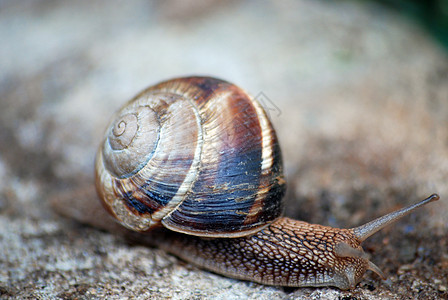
x: 199, y: 157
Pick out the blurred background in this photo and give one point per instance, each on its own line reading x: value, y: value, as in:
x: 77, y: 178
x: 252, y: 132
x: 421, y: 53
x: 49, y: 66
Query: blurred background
x: 431, y: 15
x: 357, y: 91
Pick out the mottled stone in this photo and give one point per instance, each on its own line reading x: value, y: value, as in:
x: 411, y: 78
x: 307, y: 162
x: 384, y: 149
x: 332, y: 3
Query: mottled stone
x: 357, y: 94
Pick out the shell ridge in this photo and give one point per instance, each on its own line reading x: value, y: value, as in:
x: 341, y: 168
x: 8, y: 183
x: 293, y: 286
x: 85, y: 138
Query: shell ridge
x: 192, y: 175
x: 232, y: 186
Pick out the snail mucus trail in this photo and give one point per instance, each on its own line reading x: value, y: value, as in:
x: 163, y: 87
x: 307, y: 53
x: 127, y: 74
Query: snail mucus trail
x: 199, y: 157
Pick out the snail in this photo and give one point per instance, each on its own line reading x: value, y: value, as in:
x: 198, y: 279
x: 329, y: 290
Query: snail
x: 195, y: 164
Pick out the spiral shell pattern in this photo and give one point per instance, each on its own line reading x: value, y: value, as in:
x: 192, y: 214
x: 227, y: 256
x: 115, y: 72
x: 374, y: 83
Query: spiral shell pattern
x: 197, y: 155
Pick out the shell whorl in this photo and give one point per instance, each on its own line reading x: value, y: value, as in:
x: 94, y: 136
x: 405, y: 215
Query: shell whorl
x: 128, y: 144
x: 196, y: 154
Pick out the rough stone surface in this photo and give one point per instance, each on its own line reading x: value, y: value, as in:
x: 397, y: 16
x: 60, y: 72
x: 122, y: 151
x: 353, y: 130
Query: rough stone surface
x: 358, y: 97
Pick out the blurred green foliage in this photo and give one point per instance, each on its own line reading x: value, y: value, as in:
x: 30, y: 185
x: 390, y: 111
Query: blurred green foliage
x: 431, y: 14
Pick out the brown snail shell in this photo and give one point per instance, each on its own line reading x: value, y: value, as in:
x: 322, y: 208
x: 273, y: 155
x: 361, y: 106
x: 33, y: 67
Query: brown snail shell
x: 196, y: 154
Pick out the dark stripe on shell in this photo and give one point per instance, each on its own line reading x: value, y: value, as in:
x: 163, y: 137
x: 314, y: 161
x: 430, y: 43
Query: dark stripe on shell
x: 208, y: 87
x: 136, y: 205
x: 154, y: 193
x: 222, y: 200
x: 198, y: 89
x: 160, y: 193
x: 226, y: 190
x: 273, y: 206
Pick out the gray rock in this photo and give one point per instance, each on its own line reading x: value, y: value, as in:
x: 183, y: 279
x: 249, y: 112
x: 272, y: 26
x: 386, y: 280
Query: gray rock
x: 358, y: 97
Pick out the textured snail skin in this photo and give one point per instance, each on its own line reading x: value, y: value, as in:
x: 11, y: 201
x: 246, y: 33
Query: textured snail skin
x: 199, y: 157
x: 286, y: 253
